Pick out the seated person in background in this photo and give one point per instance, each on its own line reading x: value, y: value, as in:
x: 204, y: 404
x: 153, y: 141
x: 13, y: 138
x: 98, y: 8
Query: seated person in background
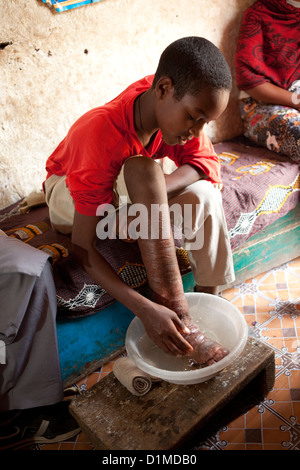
x: 109, y: 155
x: 32, y: 410
x: 268, y: 72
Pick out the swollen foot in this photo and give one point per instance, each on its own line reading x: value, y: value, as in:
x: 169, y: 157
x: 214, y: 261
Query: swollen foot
x: 206, y: 351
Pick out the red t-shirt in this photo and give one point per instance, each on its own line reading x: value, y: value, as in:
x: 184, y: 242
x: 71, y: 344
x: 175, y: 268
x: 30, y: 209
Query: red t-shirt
x: 98, y: 143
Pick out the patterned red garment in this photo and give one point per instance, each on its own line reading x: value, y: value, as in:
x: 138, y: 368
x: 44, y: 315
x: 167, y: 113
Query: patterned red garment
x: 269, y: 45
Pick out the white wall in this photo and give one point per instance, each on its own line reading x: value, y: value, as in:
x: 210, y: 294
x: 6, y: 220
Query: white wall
x: 48, y: 80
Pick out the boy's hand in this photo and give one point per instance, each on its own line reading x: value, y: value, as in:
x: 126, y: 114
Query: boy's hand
x: 165, y: 328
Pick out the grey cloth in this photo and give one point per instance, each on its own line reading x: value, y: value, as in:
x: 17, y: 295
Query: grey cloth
x: 30, y: 372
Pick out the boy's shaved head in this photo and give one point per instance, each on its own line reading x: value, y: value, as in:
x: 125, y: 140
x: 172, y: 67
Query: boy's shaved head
x: 193, y: 63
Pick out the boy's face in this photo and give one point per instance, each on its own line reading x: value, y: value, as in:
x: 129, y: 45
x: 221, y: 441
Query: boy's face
x: 182, y: 120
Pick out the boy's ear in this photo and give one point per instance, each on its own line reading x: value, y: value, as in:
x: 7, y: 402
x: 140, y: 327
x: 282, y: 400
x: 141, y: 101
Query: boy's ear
x: 164, y: 86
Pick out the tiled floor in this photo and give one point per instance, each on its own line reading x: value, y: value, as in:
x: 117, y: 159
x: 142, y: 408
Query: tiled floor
x: 271, y: 305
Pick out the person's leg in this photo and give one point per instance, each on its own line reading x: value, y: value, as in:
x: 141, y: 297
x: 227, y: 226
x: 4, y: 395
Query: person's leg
x: 31, y: 375
x: 198, y: 212
x: 60, y: 203
x: 146, y: 185
x: 205, y: 236
x: 31, y: 389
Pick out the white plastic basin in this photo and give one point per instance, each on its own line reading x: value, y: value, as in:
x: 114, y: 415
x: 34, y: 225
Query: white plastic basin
x: 215, y: 316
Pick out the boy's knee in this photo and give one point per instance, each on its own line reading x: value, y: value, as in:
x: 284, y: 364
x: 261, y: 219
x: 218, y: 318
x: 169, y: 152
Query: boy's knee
x: 142, y: 170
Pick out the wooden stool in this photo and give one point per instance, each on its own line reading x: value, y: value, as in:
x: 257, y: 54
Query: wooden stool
x: 169, y: 415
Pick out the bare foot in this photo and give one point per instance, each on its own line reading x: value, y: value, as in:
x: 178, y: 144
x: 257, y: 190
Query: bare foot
x: 207, y: 289
x: 206, y: 351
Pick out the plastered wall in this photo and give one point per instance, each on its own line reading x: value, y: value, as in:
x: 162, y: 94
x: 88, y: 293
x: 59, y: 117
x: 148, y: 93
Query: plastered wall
x: 59, y: 65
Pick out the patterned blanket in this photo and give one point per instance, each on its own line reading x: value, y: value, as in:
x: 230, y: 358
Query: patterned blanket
x: 259, y: 187
x: 64, y: 5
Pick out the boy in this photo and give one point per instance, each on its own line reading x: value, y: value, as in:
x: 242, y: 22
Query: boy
x: 110, y: 153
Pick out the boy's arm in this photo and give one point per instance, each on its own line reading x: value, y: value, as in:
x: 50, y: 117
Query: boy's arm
x: 272, y: 94
x: 182, y: 177
x: 162, y: 325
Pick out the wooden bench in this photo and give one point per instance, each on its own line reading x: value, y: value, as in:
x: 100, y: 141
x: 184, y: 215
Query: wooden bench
x: 169, y: 415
